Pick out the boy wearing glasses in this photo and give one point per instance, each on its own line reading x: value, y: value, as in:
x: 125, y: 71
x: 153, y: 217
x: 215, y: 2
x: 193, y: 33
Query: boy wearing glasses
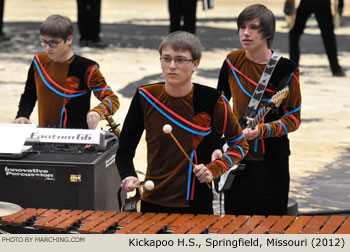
x: 62, y: 82
x: 197, y: 115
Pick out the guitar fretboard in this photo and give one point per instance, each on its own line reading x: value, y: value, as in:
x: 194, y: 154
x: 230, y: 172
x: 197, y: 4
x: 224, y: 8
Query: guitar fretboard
x: 259, y: 117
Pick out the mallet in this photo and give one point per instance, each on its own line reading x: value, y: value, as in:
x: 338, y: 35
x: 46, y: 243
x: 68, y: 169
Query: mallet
x: 149, y: 185
x: 167, y: 129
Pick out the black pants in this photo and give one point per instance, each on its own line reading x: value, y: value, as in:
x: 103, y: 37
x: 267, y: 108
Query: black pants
x: 89, y: 13
x: 1, y: 14
x: 322, y: 11
x: 182, y: 10
x: 262, y: 188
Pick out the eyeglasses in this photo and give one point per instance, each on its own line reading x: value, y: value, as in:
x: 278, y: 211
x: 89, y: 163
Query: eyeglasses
x: 51, y: 43
x: 178, y: 61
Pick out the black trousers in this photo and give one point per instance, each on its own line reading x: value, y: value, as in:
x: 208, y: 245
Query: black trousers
x: 323, y: 14
x: 262, y: 188
x: 1, y: 15
x: 182, y: 10
x: 89, y: 14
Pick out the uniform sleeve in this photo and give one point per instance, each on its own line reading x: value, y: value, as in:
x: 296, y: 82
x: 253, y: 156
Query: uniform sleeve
x: 223, y: 84
x: 129, y: 138
x: 291, y: 106
x: 226, y: 122
x: 29, y: 96
x: 96, y: 82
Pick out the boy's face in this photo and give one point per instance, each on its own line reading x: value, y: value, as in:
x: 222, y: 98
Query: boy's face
x: 250, y: 37
x: 56, y: 48
x: 177, y: 66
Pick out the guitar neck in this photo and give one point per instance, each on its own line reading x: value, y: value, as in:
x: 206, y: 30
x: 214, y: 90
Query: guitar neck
x: 259, y: 117
x: 274, y: 102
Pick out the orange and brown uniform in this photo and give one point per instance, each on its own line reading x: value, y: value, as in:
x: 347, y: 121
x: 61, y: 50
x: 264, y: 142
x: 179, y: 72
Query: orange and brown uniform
x: 235, y: 85
x: 166, y: 164
x: 262, y: 188
x: 63, y: 92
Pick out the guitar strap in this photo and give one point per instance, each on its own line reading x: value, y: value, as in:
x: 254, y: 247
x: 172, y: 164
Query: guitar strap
x: 262, y: 84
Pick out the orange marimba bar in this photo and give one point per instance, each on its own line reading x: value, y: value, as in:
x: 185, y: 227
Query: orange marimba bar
x: 33, y: 220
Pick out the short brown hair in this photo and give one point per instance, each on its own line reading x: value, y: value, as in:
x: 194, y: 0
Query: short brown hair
x: 181, y: 40
x: 57, y: 26
x: 266, y: 17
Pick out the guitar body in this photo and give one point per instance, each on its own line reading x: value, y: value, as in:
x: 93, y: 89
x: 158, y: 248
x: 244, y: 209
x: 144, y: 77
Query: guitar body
x: 224, y: 182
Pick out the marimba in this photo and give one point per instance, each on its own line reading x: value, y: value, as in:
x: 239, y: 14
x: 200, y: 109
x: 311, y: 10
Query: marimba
x: 32, y: 220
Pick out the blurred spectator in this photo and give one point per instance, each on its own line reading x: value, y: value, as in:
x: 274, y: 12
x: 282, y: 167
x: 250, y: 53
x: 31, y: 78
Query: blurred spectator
x: 182, y: 11
x: 2, y: 35
x: 183, y: 14
x: 89, y: 14
x: 323, y: 14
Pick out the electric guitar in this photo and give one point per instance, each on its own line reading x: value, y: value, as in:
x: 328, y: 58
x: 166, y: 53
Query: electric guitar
x: 274, y: 102
x: 227, y: 178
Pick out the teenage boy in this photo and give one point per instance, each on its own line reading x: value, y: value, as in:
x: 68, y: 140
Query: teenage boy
x: 62, y: 81
x: 197, y: 114
x: 263, y: 186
